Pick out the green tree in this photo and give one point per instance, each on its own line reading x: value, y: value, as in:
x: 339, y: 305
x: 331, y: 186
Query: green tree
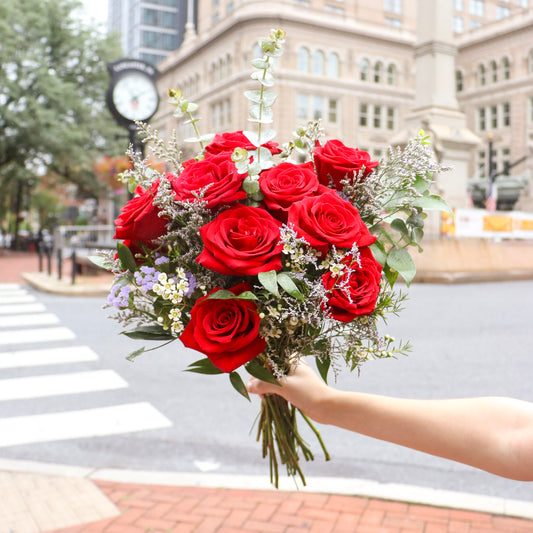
x: 53, y: 82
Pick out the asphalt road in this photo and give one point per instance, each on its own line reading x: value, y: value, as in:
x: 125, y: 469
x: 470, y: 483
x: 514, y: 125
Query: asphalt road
x: 469, y: 340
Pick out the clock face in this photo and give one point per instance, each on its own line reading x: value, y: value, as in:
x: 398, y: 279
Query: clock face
x: 135, y: 96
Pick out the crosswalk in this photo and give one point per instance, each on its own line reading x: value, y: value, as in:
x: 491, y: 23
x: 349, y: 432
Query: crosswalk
x: 27, y: 336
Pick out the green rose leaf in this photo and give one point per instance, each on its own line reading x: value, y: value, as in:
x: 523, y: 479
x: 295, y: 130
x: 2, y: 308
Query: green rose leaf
x: 322, y: 365
x: 238, y: 384
x: 126, y: 257
x: 403, y: 263
x: 433, y: 202
x: 203, y: 366
x: 269, y: 281
x: 257, y: 370
x: 149, y: 333
x: 288, y: 285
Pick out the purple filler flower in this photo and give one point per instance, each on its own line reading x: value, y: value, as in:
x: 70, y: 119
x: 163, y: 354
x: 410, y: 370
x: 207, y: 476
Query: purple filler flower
x: 119, y: 296
x: 146, y: 278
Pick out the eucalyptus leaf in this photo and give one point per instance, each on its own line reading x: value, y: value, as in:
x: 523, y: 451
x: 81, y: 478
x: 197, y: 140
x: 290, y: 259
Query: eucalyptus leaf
x: 247, y: 295
x: 252, y: 137
x: 126, y: 257
x: 203, y: 366
x: 267, y: 136
x: 403, y: 263
x: 399, y: 225
x: 221, y: 295
x: 254, y: 96
x: 238, y: 384
x: 135, y: 354
x: 379, y: 253
x: 421, y: 184
x: 98, y: 260
x: 250, y: 186
x: 257, y: 370
x: 433, y: 202
x: 269, y: 281
x: 288, y: 284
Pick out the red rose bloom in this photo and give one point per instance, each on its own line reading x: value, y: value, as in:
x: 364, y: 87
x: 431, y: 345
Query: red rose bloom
x: 336, y: 161
x: 139, y: 219
x: 219, y: 173
x: 354, y: 294
x: 225, y: 143
x: 242, y: 240
x: 327, y: 220
x: 287, y: 183
x: 227, y: 331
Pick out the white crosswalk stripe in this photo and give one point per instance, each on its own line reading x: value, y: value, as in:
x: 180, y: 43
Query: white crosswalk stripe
x: 84, y: 423
x: 50, y: 356
x: 24, y: 320
x: 60, y: 384
x: 30, y: 336
x: 17, y: 309
x: 17, y: 321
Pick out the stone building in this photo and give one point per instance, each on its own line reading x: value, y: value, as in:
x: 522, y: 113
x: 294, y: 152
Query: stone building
x: 351, y: 63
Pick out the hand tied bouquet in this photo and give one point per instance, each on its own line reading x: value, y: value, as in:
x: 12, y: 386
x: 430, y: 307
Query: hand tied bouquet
x: 256, y: 255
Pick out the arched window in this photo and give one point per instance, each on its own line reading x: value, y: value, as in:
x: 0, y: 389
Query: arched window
x: 391, y: 74
x: 364, y: 69
x: 459, y: 81
x: 222, y: 67
x: 493, y: 71
x: 506, y: 68
x: 378, y: 72
x: 318, y: 62
x: 333, y: 65
x: 481, y: 75
x: 303, y: 60
x: 228, y: 64
x: 531, y: 61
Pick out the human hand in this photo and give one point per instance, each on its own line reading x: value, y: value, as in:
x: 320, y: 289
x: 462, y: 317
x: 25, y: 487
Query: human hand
x: 303, y: 388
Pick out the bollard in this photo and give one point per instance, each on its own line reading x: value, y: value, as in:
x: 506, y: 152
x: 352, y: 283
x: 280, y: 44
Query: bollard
x: 49, y: 260
x: 73, y: 274
x: 59, y: 263
x: 40, y: 252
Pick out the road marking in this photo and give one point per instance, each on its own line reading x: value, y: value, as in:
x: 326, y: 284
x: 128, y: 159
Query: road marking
x: 14, y: 299
x: 49, y: 356
x: 59, y: 384
x: 10, y: 286
x: 41, y: 319
x: 85, y: 423
x: 20, y: 309
x: 24, y: 336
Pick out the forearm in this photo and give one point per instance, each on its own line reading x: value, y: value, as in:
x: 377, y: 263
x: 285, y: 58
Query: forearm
x: 493, y: 434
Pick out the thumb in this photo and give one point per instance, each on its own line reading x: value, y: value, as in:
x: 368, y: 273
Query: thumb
x: 256, y: 386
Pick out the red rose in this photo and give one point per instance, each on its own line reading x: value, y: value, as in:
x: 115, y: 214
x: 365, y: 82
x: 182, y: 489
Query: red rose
x: 354, y: 294
x: 227, y: 331
x: 219, y: 173
x: 327, y: 220
x: 242, y: 240
x: 287, y: 183
x: 336, y: 161
x: 227, y: 142
x: 139, y: 219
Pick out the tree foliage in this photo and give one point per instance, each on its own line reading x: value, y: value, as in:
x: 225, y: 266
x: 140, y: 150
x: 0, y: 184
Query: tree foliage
x: 53, y: 81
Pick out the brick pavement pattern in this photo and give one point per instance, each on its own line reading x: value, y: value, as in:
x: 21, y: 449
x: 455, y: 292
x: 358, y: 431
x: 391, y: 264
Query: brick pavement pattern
x: 156, y: 509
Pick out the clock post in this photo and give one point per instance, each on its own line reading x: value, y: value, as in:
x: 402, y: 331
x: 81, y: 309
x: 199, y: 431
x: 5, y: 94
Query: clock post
x: 132, y: 95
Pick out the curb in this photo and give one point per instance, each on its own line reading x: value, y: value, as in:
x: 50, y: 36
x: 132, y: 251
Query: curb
x: 45, y: 283
x: 473, y: 277
x: 342, y: 486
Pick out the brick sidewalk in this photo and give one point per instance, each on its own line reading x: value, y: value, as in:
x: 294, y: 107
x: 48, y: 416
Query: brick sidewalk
x: 156, y: 509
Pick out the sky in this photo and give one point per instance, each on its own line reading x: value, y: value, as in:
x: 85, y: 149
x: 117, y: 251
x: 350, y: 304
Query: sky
x: 96, y: 9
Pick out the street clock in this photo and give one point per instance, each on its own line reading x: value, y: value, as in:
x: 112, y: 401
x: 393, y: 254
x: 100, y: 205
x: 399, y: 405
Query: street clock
x: 132, y: 93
